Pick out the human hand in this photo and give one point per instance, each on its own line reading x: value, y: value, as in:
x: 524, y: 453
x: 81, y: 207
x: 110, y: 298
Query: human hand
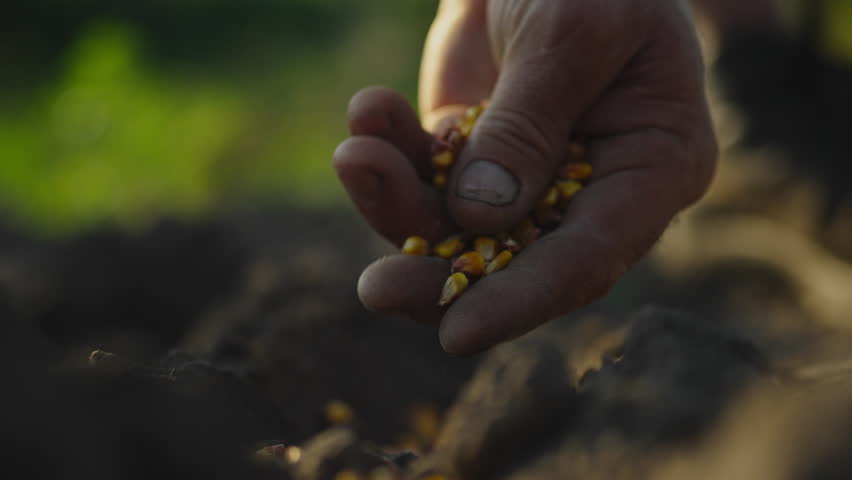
x: 625, y: 75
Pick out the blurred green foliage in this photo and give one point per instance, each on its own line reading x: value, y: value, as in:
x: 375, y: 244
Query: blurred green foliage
x: 838, y: 29
x: 119, y: 111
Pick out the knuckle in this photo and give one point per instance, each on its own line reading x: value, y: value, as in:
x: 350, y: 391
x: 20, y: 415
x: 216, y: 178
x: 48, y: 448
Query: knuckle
x: 687, y: 160
x: 516, y: 131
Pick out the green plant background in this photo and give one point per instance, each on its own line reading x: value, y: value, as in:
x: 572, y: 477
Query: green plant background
x: 118, y: 111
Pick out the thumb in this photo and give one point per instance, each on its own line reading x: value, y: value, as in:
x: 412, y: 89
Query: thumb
x: 547, y: 80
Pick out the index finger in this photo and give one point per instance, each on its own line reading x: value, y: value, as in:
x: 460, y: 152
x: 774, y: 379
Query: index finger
x: 458, y: 67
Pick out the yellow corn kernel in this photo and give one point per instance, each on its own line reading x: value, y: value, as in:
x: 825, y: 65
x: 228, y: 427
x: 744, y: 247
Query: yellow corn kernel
x: 347, y: 475
x: 439, y: 179
x: 499, y: 263
x: 473, y: 112
x: 450, y: 247
x: 337, y: 412
x: 425, y: 422
x: 550, y: 198
x: 568, y: 188
x: 576, y: 171
x: 415, y: 245
x: 487, y: 246
x: 434, y: 476
x: 470, y: 263
x: 469, y: 120
x: 576, y: 151
x: 381, y: 473
x: 293, y: 454
x: 454, y: 286
x: 443, y: 160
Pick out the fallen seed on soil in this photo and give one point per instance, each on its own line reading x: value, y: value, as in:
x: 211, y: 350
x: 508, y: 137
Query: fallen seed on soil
x: 293, y: 454
x: 381, y: 473
x: 415, y: 245
x: 347, y: 475
x: 425, y: 421
x: 499, y: 263
x: 454, y: 286
x: 337, y: 412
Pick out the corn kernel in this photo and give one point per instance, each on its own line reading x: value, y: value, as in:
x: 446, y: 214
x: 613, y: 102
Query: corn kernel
x: 454, y: 286
x: 487, y: 246
x: 293, y: 454
x: 499, y: 263
x: 568, y: 188
x: 439, y: 179
x: 381, y: 473
x: 473, y: 112
x: 434, y: 476
x: 443, y: 160
x: 576, y: 171
x: 550, y: 198
x: 469, y: 120
x: 470, y: 263
x: 337, y: 412
x: 450, y: 247
x: 415, y: 245
x: 576, y: 151
x: 425, y: 421
x: 347, y: 475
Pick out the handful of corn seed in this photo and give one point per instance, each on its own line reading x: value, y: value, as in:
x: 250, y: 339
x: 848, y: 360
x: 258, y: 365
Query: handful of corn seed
x: 473, y: 257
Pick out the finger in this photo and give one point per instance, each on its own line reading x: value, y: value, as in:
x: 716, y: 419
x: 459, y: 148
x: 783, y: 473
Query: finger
x: 382, y: 112
x: 457, y: 67
x: 404, y: 284
x: 607, y: 227
x: 388, y: 192
x: 552, y: 71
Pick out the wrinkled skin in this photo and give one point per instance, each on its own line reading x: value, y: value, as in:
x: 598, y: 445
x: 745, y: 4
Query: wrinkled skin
x: 626, y: 75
